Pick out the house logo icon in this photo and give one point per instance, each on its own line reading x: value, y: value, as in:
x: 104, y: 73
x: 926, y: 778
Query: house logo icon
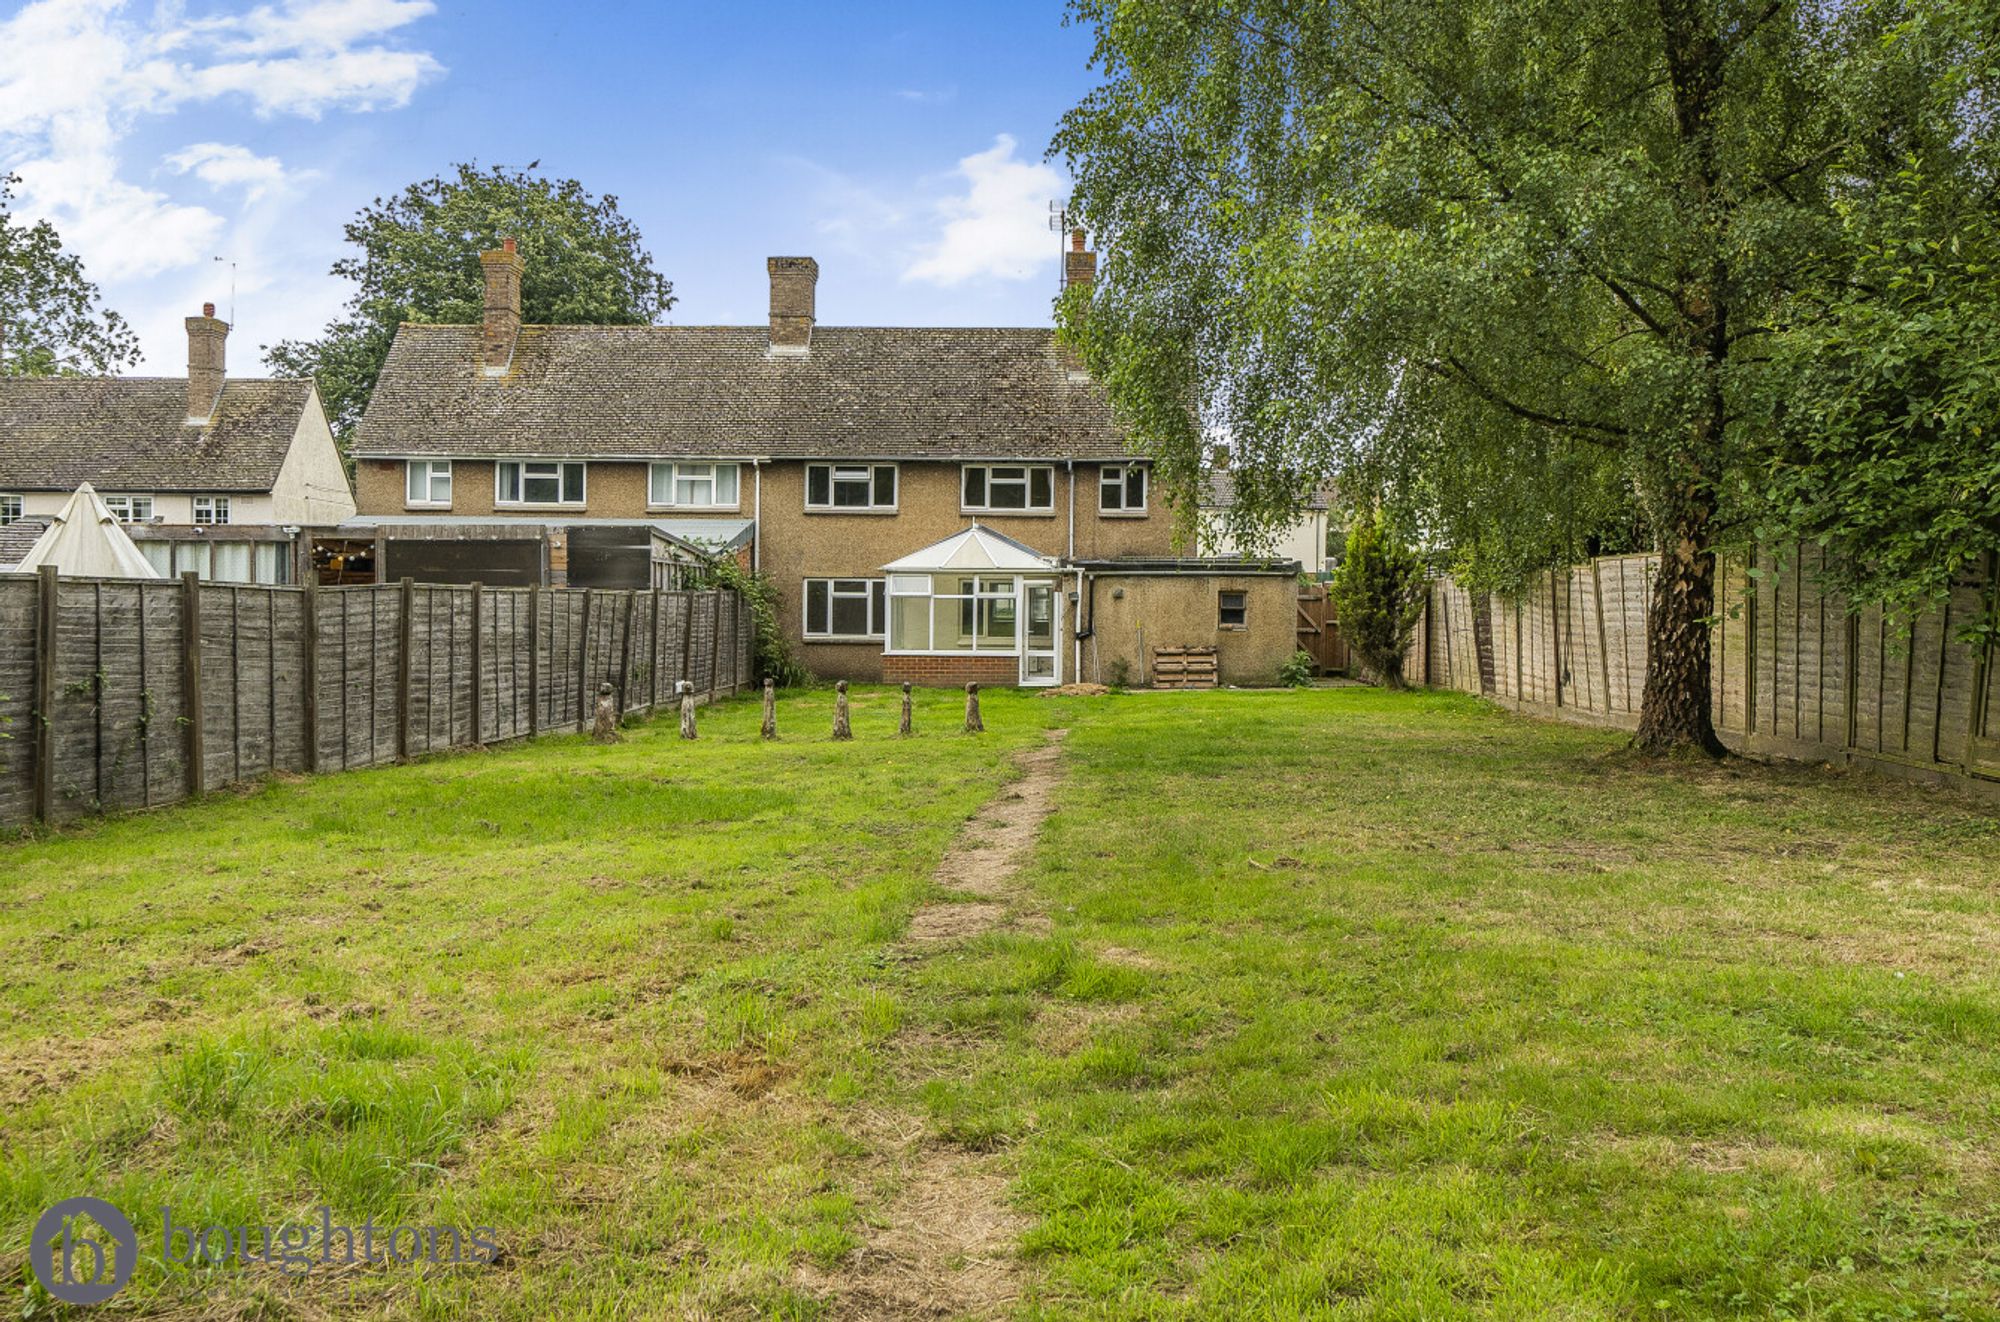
x: 75, y: 1265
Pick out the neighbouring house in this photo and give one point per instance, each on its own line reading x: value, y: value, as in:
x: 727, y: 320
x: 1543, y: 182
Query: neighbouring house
x: 206, y: 473
x: 1304, y: 541
x: 931, y: 504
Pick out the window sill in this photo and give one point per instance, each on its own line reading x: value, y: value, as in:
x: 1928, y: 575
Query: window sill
x: 1123, y: 514
x: 694, y: 509
x: 427, y: 505
x: 867, y: 510
x: 533, y: 508
x: 870, y: 639
x: 1232, y: 628
x: 1007, y: 514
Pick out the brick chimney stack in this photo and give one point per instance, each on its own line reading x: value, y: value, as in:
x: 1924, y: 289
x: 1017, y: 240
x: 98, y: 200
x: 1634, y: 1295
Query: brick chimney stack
x: 793, y: 284
x: 206, y: 338
x: 1079, y: 266
x: 502, y: 326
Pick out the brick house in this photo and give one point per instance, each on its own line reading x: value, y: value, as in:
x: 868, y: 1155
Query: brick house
x: 840, y: 461
x: 210, y: 474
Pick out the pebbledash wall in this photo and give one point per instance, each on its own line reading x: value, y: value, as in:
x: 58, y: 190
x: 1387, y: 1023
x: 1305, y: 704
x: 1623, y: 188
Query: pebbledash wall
x: 1795, y: 674
x: 117, y: 693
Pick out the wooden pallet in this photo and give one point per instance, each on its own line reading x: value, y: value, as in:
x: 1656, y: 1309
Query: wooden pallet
x: 1184, y: 668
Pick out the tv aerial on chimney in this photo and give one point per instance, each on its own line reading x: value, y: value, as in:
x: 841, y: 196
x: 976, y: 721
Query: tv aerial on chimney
x: 232, y: 289
x: 1061, y: 221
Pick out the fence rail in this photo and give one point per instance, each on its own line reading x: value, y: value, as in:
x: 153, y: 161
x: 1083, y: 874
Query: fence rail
x: 120, y: 693
x: 1794, y: 672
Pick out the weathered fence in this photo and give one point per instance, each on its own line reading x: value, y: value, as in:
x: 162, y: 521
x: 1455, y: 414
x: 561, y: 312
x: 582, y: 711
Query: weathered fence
x: 116, y: 693
x: 1795, y: 674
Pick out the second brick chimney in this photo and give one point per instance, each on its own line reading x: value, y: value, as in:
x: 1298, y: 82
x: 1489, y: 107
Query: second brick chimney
x: 1079, y: 266
x: 206, y: 339
x: 502, y: 325
x: 794, y: 282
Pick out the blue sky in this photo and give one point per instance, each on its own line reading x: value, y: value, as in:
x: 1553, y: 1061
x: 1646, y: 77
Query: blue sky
x: 900, y: 144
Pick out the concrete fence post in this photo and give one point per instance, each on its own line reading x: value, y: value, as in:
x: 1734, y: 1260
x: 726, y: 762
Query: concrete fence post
x: 841, y: 728
x: 973, y: 725
x: 686, y: 688
x: 770, y: 708
x: 903, y: 726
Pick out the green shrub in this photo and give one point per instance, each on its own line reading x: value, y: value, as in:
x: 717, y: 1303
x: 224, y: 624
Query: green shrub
x: 1378, y: 592
x: 772, y: 656
x: 1297, y: 672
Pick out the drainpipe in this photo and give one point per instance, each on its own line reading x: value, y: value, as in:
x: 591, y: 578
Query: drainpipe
x: 756, y: 515
x: 1076, y: 633
x: 1071, y: 464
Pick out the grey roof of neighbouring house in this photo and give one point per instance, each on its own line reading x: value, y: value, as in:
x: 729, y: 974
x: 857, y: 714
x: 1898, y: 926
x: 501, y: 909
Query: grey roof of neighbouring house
x: 18, y: 538
x: 1218, y: 491
x: 131, y: 433
x: 716, y: 391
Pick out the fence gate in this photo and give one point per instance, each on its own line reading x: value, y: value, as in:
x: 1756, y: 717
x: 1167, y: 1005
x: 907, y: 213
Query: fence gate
x: 1317, y: 634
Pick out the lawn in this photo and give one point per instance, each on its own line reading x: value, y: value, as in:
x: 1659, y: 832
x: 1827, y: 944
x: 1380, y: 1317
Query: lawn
x: 1318, y: 1003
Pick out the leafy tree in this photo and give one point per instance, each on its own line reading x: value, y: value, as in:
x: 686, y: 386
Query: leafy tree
x: 1889, y: 430
x: 1511, y: 265
x: 50, y: 318
x: 418, y: 260
x: 1378, y: 594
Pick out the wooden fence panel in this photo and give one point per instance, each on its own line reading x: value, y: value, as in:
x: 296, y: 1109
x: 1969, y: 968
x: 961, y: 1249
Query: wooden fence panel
x: 1793, y: 672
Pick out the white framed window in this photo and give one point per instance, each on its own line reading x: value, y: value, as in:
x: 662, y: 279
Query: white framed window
x: 427, y: 482
x: 693, y: 486
x: 1121, y: 489
x: 850, y: 486
x: 10, y: 509
x: 538, y: 482
x: 1233, y: 610
x: 130, y: 509
x: 211, y: 509
x: 936, y: 614
x: 845, y: 607
x: 1006, y: 487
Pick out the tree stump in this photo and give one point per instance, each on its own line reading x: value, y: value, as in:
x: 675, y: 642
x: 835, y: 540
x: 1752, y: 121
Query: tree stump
x: 604, y: 730
x: 841, y: 729
x: 687, y: 708
x: 770, y: 709
x: 973, y: 725
x: 903, y: 728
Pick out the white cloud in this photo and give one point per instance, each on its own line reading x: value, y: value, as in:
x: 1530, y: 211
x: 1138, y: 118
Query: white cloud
x: 997, y: 227
x: 76, y: 77
x: 225, y: 165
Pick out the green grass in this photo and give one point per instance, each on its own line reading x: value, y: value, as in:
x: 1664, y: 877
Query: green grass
x: 1351, y: 1004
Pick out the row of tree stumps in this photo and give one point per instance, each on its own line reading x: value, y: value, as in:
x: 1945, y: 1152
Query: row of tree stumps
x: 843, y: 726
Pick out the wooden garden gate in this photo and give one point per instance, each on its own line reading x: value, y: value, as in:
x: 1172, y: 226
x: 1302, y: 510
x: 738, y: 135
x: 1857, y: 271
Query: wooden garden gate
x: 1317, y: 632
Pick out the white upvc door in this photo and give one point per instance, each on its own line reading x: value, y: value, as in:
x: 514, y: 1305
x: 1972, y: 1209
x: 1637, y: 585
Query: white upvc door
x: 1040, y: 612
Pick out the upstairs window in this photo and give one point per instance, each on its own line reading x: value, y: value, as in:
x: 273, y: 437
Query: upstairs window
x: 693, y: 486
x: 1008, y: 487
x: 427, y: 482
x: 850, y: 486
x: 1122, y: 490
x: 130, y: 509
x: 538, y: 482
x: 211, y: 509
x: 10, y: 509
x: 845, y: 607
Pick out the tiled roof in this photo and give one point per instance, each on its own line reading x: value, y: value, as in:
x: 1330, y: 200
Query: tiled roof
x: 1218, y: 491
x: 131, y: 434
x: 877, y: 392
x: 18, y: 538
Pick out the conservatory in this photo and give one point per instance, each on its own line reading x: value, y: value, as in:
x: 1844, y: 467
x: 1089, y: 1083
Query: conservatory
x: 975, y: 606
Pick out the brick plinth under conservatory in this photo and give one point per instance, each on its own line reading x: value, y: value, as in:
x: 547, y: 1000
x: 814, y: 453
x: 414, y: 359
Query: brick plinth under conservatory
x: 947, y: 671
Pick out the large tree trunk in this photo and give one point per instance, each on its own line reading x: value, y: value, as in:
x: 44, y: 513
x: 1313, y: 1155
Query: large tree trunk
x: 1675, y: 712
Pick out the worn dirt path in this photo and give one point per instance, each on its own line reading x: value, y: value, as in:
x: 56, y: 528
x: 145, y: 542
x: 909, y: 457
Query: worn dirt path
x: 942, y: 1244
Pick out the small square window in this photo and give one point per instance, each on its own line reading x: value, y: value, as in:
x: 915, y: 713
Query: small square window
x: 1122, y: 489
x: 10, y: 509
x: 428, y: 482
x: 1234, y: 610
x: 211, y: 509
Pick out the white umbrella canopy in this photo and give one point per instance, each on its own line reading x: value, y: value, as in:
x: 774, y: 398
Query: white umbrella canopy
x: 85, y: 541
